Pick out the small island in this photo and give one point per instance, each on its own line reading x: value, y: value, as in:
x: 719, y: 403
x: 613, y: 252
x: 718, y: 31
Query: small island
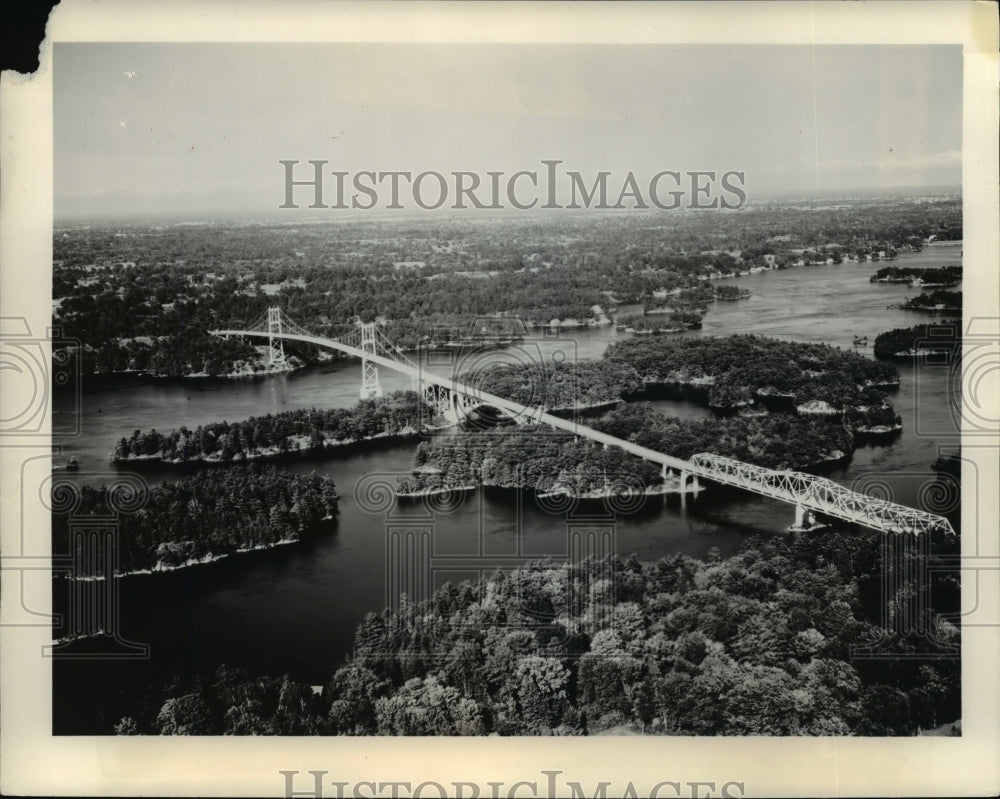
x: 739, y: 372
x: 935, y: 302
x: 919, y: 341
x: 931, y: 277
x: 729, y: 293
x: 558, y: 463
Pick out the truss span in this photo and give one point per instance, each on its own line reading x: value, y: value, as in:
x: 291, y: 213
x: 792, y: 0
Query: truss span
x: 819, y: 494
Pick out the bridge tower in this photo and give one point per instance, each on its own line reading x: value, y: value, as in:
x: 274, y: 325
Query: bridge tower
x: 370, y: 386
x: 275, y: 346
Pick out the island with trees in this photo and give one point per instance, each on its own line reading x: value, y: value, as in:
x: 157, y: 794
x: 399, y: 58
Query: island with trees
x: 935, y: 302
x: 669, y: 320
x: 761, y: 643
x: 567, y: 385
x: 918, y: 341
x: 930, y: 277
x: 559, y: 463
x: 552, y: 463
x: 206, y: 516
x: 728, y: 293
x: 741, y: 371
x: 307, y: 431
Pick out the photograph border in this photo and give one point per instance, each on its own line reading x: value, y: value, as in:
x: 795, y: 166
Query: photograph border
x: 33, y: 761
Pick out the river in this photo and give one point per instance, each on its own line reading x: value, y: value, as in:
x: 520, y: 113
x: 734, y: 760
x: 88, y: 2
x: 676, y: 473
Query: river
x: 293, y: 610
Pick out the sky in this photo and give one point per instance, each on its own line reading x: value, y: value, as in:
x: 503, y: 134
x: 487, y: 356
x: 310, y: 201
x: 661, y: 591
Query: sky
x: 173, y: 129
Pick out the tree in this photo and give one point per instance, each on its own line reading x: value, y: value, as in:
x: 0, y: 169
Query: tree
x: 294, y: 715
x: 539, y: 685
x: 352, y: 694
x: 186, y: 715
x: 127, y: 726
x: 427, y: 707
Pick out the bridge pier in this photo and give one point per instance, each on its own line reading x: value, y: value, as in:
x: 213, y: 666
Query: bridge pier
x: 457, y: 415
x: 805, y: 519
x: 695, y: 487
x: 667, y: 474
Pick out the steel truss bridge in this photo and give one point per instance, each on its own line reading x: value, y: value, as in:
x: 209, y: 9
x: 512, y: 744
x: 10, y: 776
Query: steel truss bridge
x: 807, y: 493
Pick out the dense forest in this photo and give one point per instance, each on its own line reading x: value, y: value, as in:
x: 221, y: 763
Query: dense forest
x: 739, y: 370
x: 909, y: 341
x: 938, y: 276
x: 935, y: 301
x: 209, y: 514
x: 521, y: 458
x: 144, y: 297
x: 311, y: 430
x: 762, y: 643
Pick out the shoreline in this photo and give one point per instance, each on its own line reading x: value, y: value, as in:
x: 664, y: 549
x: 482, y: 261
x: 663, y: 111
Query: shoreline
x: 431, y: 492
x: 161, y: 568
x: 275, y: 453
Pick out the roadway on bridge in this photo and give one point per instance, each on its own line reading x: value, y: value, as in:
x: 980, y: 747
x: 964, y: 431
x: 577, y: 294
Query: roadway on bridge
x: 797, y: 488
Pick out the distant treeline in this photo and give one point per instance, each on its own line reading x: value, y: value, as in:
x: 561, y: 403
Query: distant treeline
x: 944, y: 275
x: 280, y: 433
x: 761, y: 643
x: 935, y: 301
x: 738, y: 370
x: 207, y: 515
x: 145, y: 297
x: 908, y: 341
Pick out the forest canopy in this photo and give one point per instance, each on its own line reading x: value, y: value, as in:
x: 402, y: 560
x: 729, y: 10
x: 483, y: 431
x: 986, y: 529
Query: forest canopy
x: 207, y: 515
x: 739, y: 370
x: 757, y: 644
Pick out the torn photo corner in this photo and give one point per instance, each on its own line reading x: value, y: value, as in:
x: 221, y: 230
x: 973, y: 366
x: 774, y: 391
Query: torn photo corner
x: 501, y: 400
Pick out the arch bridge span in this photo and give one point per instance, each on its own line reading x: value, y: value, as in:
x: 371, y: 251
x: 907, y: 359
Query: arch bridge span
x: 808, y: 493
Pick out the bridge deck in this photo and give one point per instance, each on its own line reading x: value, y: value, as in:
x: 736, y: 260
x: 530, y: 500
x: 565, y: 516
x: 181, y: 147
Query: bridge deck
x: 805, y: 490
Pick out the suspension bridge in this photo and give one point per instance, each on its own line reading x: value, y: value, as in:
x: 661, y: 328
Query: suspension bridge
x: 807, y: 493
